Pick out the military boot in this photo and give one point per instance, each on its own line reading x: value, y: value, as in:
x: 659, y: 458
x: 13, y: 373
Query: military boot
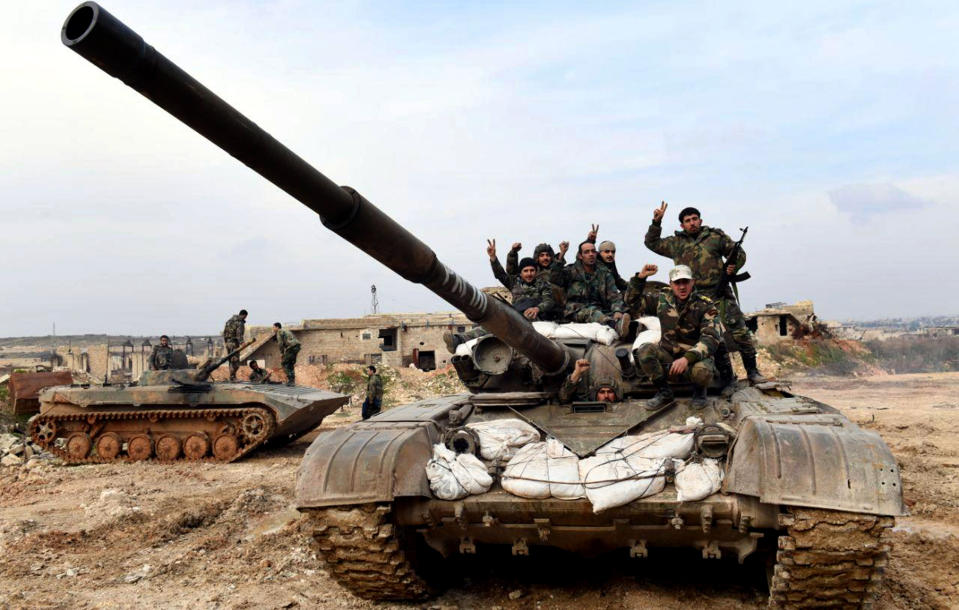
x: 752, y: 371
x: 727, y: 379
x: 699, y: 398
x: 664, y: 397
x: 622, y: 325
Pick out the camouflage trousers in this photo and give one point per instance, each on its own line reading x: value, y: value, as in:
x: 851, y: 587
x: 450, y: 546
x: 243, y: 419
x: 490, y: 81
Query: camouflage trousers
x: 578, y: 312
x: 288, y: 361
x: 735, y: 323
x: 234, y: 360
x: 655, y: 362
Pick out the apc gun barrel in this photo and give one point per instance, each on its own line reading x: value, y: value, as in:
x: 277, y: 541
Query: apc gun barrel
x: 120, y: 52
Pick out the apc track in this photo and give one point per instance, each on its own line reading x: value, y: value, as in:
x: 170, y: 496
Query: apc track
x: 100, y: 437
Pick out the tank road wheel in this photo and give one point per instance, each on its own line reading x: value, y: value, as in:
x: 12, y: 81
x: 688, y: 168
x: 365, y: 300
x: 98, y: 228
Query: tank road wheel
x: 225, y: 447
x: 79, y: 445
x: 363, y: 553
x: 43, y: 431
x: 254, y: 426
x: 108, y: 445
x: 139, y: 447
x: 829, y: 558
x: 167, y: 448
x: 196, y: 446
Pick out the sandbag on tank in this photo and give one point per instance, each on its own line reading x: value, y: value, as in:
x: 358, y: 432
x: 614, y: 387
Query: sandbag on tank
x: 453, y: 476
x: 499, y: 439
x: 649, y: 331
x: 697, y: 480
x: 662, y: 444
x: 614, y: 479
x: 543, y: 470
x: 593, y: 331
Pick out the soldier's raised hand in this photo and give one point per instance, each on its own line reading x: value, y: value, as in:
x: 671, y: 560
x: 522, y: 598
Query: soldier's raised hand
x: 648, y: 270
x: 659, y: 212
x: 516, y: 247
x: 582, y: 365
x: 491, y: 249
x: 563, y: 248
x: 593, y: 232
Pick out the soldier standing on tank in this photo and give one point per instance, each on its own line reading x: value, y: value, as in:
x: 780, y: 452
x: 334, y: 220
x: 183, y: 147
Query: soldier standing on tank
x: 162, y: 356
x: 703, y: 249
x: 289, y: 349
x: 691, y: 334
x: 374, y: 393
x: 591, y: 293
x: 258, y: 375
x: 233, y: 333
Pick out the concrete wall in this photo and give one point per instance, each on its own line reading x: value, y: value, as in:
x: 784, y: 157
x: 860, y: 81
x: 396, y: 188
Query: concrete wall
x: 769, y: 328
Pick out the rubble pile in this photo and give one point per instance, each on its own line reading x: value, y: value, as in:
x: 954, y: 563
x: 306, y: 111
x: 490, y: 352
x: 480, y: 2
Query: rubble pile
x: 19, y: 451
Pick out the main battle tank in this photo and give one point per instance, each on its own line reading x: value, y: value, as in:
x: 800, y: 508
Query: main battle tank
x: 804, y: 487
x: 175, y: 414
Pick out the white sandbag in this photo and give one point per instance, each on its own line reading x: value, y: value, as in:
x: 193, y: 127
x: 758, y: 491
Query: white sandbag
x: 466, y: 349
x: 662, y: 444
x: 453, y: 476
x: 612, y: 480
x: 593, y: 331
x: 697, y: 480
x: 500, y: 438
x: 651, y: 332
x: 543, y: 469
x: 545, y: 328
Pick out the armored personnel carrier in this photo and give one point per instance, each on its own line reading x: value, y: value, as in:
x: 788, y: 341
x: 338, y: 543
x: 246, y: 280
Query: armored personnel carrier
x: 175, y: 414
x: 803, y: 487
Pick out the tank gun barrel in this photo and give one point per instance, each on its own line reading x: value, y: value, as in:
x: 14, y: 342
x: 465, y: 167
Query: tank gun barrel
x: 120, y: 52
x: 207, y: 369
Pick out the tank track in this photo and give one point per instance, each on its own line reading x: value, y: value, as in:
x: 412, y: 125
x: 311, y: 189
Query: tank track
x: 363, y: 553
x: 151, y: 416
x: 829, y: 559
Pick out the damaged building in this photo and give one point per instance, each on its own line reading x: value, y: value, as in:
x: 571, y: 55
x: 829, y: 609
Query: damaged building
x: 781, y: 322
x: 398, y: 340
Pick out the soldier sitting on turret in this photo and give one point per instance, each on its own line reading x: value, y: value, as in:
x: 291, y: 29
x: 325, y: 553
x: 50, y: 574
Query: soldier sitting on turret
x: 591, y: 293
x: 690, y: 336
x: 577, y: 386
x: 162, y: 356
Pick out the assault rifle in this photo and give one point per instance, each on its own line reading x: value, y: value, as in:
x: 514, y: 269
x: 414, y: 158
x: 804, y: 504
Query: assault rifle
x: 728, y: 278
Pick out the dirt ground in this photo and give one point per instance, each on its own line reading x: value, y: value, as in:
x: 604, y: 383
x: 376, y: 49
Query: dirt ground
x: 226, y: 536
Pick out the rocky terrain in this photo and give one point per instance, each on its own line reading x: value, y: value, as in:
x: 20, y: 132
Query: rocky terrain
x: 226, y: 536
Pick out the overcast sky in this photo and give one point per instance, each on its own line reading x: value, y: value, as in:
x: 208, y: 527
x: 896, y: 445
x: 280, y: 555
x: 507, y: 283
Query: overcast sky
x: 831, y: 129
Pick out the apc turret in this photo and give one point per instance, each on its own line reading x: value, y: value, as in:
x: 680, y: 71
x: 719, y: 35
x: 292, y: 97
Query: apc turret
x: 803, y: 487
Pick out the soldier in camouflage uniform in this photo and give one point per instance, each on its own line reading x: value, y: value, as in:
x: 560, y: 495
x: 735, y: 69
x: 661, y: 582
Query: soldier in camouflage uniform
x: 374, y: 393
x: 532, y: 295
x: 703, y: 250
x: 258, y: 375
x: 578, y: 387
x: 233, y: 333
x: 162, y: 356
x: 289, y: 349
x: 591, y: 293
x: 691, y: 333
x: 546, y: 259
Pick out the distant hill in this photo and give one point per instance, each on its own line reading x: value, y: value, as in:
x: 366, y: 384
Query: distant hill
x: 907, y: 324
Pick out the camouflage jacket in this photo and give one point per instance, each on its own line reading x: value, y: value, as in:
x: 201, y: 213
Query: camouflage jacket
x: 161, y: 358
x: 574, y: 390
x: 690, y: 329
x: 704, y: 253
x: 636, y: 289
x: 611, y: 267
x: 234, y: 329
x: 539, y: 293
x: 286, y: 340
x: 259, y: 375
x: 584, y: 288
x: 374, y: 387
x: 557, y: 262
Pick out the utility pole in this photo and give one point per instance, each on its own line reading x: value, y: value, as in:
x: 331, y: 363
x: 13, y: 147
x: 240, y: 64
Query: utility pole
x: 375, y: 302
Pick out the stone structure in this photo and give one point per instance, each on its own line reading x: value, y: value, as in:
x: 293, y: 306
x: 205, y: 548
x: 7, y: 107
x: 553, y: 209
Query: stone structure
x: 123, y: 361
x: 394, y: 339
x: 782, y: 322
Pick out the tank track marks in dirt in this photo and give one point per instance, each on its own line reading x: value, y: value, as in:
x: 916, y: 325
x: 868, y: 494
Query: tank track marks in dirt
x: 364, y: 554
x: 164, y: 435
x: 829, y: 559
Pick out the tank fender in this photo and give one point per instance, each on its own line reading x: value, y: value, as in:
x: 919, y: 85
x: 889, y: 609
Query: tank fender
x: 376, y: 460
x: 819, y: 462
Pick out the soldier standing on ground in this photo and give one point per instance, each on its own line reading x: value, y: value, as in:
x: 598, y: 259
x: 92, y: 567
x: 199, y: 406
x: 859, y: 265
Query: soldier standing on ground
x: 374, y: 393
x: 233, y: 333
x: 289, y: 349
x: 591, y: 293
x: 162, y: 356
x: 703, y: 249
x: 690, y: 336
